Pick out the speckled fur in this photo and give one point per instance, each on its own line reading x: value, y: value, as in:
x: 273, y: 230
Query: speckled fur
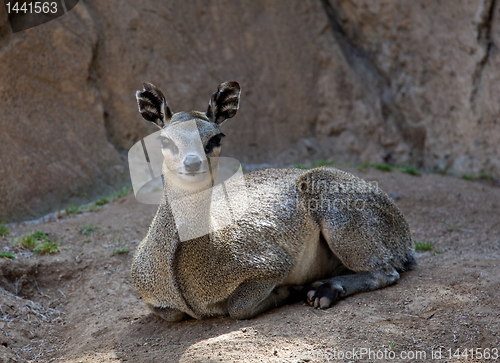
x: 301, y: 227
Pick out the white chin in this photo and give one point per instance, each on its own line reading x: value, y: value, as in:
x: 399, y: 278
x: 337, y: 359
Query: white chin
x: 194, y: 181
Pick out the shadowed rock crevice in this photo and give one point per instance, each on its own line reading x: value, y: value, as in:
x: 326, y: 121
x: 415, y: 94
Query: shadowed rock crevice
x: 483, y: 27
x: 94, y: 79
x: 377, y: 85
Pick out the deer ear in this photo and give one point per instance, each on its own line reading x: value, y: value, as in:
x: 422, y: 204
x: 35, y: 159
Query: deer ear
x: 224, y: 103
x: 153, y: 106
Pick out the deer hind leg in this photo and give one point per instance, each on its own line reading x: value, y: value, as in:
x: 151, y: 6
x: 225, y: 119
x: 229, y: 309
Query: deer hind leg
x: 367, y: 255
x: 169, y: 314
x: 372, y: 272
x: 322, y: 294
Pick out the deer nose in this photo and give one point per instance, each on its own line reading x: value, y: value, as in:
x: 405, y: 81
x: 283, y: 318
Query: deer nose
x: 192, y: 163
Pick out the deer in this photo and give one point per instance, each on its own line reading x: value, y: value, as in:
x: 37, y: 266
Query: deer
x: 320, y: 234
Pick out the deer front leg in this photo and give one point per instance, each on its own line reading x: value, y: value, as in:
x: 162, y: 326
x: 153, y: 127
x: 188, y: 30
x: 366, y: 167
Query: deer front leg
x: 252, y: 298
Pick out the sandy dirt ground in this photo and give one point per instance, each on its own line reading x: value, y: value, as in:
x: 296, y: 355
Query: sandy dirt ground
x: 79, y: 305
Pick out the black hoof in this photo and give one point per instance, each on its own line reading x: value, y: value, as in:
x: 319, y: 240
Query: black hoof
x: 324, y: 295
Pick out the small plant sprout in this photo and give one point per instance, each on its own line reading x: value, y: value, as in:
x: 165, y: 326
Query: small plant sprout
x: 300, y: 166
x: 448, y: 226
x: 72, y: 210
x: 480, y: 176
x: 409, y: 169
x: 451, y: 228
x: 31, y: 240
x: 122, y: 192
x: 392, y: 345
x: 119, y: 251
x: 93, y: 208
x: 484, y: 176
x: 38, y: 242
x: 39, y: 235
x: 3, y: 230
x: 7, y: 255
x: 87, y: 230
x: 383, y: 167
x: 46, y: 248
x: 423, y: 245
x: 101, y: 201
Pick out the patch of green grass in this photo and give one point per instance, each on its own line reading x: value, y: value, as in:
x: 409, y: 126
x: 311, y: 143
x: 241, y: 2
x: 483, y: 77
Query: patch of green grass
x: 484, y: 176
x: 383, y: 167
x: 3, y: 230
x: 119, y: 251
x: 481, y: 176
x: 38, y: 242
x: 74, y: 209
x: 93, y: 208
x: 423, y: 245
x: 7, y: 254
x: 25, y: 243
x: 87, y: 230
x: 39, y: 235
x: 31, y: 240
x: 408, y: 169
x: 300, y: 166
x: 120, y: 193
x: 87, y: 240
x: 71, y: 210
x: 427, y: 246
x: 46, y: 248
x: 101, y: 201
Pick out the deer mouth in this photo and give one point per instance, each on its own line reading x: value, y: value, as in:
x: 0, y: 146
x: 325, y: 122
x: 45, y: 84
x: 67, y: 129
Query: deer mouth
x: 193, y: 173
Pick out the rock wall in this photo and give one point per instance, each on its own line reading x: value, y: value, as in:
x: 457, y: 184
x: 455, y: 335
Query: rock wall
x: 413, y: 82
x: 53, y: 144
x: 438, y: 65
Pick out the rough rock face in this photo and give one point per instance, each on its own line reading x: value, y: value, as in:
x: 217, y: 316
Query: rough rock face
x: 439, y: 68
x: 53, y: 143
x: 414, y: 82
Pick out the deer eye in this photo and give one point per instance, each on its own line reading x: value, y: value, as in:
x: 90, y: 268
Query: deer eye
x: 167, y: 143
x: 213, y: 142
